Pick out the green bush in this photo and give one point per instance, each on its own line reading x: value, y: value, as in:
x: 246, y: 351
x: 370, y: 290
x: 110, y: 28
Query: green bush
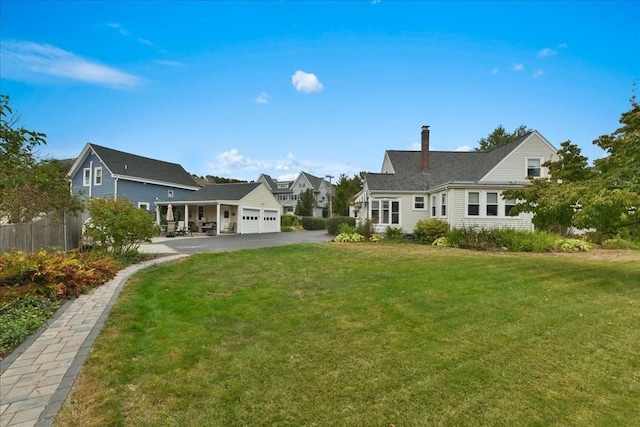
x: 313, y: 223
x: 366, y: 229
x: 394, y: 233
x: 349, y: 238
x: 289, y: 221
x: 23, y: 317
x: 347, y: 229
x: 333, y: 224
x: 286, y: 228
x: 428, y: 230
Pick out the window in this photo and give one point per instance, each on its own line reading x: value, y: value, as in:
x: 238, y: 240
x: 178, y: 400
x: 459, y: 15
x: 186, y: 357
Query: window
x: 533, y: 168
x: 443, y: 205
x: 508, y: 205
x: 492, y: 204
x: 97, y: 176
x: 200, y: 212
x: 473, y: 204
x: 385, y: 212
x: 418, y: 202
x: 433, y: 205
x: 169, y: 193
x: 86, y: 177
x: 143, y: 205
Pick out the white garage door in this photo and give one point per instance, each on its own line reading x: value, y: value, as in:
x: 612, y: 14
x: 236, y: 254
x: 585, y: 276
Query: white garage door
x: 250, y: 221
x: 270, y: 221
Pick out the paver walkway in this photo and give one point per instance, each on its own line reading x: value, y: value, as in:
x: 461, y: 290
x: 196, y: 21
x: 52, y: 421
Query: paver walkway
x: 36, y: 378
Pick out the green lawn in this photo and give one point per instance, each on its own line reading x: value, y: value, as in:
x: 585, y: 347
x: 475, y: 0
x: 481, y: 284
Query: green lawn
x: 369, y: 335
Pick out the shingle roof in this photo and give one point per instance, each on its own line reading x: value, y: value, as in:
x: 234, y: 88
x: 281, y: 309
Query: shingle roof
x: 444, y: 167
x: 270, y: 182
x: 313, y: 180
x: 126, y: 164
x: 233, y: 191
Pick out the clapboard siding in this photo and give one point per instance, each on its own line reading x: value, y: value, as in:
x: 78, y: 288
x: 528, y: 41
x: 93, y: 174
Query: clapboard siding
x: 513, y: 168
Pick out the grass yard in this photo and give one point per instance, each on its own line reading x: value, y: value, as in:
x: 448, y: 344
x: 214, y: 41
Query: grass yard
x: 369, y: 335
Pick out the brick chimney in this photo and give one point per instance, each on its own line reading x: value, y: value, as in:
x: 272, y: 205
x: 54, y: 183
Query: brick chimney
x: 425, y: 148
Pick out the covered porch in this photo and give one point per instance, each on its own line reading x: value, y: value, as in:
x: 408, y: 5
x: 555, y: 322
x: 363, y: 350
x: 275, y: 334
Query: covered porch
x: 211, y: 218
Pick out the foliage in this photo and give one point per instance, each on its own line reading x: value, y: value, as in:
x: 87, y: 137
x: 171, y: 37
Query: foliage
x: 394, y: 233
x: 222, y: 180
x: 500, y: 137
x: 23, y: 317
x: 333, y: 224
x: 117, y: 226
x: 306, y: 203
x: 605, y: 197
x: 346, y: 228
x: 313, y: 223
x: 289, y: 221
x: 366, y: 228
x: 344, y: 190
x: 56, y: 274
x: 28, y: 186
x: 441, y: 241
x: 376, y: 238
x: 428, y: 230
x: 507, y: 239
x: 350, y: 238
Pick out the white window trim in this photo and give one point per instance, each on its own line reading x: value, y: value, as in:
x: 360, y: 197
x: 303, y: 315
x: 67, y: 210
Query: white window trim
x: 86, y: 180
x: 170, y: 193
x: 97, y: 175
x: 445, y: 204
x: 466, y: 204
x: 143, y: 204
x: 526, y: 166
x: 424, y: 207
x: 391, y: 201
x: 482, y: 201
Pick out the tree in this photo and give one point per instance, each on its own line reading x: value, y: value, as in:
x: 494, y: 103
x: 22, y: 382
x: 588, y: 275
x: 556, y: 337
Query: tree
x: 344, y: 190
x: 500, y: 137
x: 117, y: 226
x: 605, y: 197
x: 28, y: 186
x: 306, y: 203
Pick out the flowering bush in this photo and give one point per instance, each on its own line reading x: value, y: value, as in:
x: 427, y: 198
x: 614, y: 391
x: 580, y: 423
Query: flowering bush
x: 349, y: 238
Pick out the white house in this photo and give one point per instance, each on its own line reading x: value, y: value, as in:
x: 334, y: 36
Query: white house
x: 462, y: 188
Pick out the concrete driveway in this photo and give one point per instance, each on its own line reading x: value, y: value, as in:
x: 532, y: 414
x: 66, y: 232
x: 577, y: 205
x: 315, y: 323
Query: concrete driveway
x: 200, y: 244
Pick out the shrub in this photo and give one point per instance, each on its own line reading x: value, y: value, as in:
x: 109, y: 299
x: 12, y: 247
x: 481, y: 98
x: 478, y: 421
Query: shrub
x: 394, y: 233
x: 376, y: 238
x: 289, y: 221
x: 366, y: 229
x: 564, y: 244
x: 349, y: 238
x: 313, y: 223
x: 333, y: 224
x: 440, y: 241
x: 22, y: 318
x: 347, y: 229
x: 286, y: 228
x: 428, y: 230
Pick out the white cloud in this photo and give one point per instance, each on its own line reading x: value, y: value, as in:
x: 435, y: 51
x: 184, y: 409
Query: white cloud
x: 169, y: 63
x: 463, y: 148
x: 263, y: 98
x: 518, y: 67
x: 306, y: 82
x: 547, y: 52
x: 26, y: 60
x: 119, y: 28
x: 233, y: 164
x: 538, y: 73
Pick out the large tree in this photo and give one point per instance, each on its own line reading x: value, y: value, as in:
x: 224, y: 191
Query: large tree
x: 605, y: 197
x: 28, y: 186
x: 306, y: 203
x: 499, y: 137
x: 343, y: 191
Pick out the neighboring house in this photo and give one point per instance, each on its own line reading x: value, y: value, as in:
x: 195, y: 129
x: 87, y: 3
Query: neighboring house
x: 288, y: 192
x: 103, y: 172
x: 235, y: 208
x: 462, y: 188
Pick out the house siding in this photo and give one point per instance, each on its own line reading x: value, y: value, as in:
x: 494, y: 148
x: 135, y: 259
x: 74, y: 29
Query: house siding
x: 459, y: 217
x: 513, y: 167
x: 103, y: 190
x: 138, y: 192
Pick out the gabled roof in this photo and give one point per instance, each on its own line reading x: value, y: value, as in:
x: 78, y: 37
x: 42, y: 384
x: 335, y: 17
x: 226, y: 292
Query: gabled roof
x: 271, y: 184
x: 444, y: 167
x: 234, y: 191
x: 313, y: 180
x: 137, y: 168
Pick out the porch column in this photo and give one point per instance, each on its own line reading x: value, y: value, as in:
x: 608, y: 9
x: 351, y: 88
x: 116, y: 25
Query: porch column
x: 218, y: 219
x: 157, y: 215
x: 186, y: 216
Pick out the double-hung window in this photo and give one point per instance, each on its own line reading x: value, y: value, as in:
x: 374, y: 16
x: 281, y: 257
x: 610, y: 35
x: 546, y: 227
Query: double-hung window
x: 385, y: 212
x: 97, y: 176
x: 492, y: 204
x: 473, y: 203
x: 534, y: 167
x: 433, y: 205
x: 443, y: 204
x: 86, y: 177
x: 418, y: 202
x: 508, y: 205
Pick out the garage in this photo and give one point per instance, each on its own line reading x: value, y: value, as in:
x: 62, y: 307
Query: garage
x: 250, y: 221
x: 270, y: 221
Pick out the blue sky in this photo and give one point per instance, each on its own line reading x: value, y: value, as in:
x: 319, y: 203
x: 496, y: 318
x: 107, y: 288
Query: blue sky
x: 236, y: 89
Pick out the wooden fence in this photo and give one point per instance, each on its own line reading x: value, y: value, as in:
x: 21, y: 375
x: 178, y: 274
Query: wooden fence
x: 58, y: 229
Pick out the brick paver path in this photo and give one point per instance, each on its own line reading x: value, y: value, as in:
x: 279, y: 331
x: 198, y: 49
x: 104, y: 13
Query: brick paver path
x: 37, y: 377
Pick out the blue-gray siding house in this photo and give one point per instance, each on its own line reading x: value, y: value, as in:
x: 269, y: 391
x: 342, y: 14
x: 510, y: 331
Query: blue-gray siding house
x: 103, y: 172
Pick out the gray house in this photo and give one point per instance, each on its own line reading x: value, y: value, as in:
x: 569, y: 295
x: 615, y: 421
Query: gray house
x: 461, y: 188
x: 288, y: 192
x: 103, y: 172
